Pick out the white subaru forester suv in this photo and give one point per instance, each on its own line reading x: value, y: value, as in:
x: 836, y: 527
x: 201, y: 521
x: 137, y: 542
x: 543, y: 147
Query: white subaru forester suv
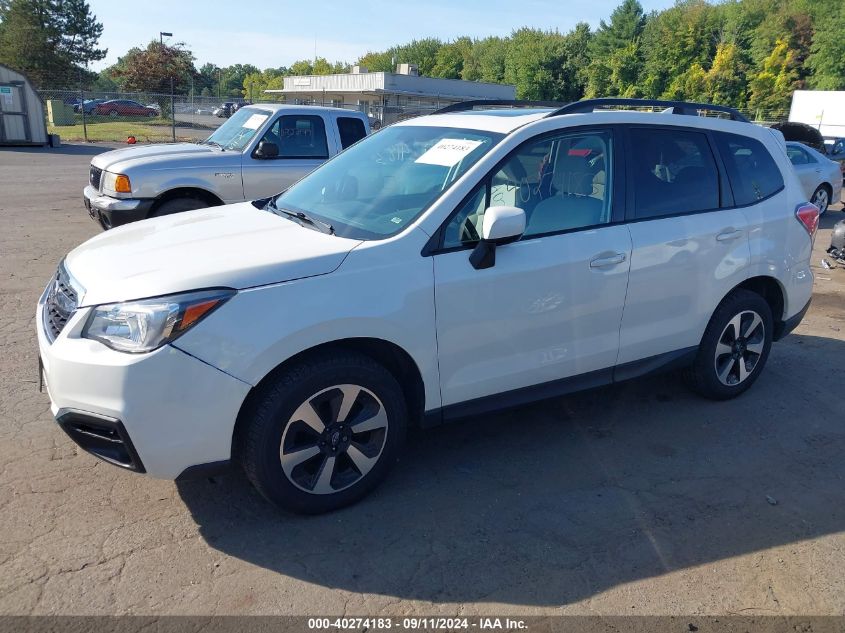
x: 446, y: 266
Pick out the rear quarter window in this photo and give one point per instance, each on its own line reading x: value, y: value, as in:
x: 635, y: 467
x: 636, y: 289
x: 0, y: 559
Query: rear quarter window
x: 351, y: 131
x: 752, y: 171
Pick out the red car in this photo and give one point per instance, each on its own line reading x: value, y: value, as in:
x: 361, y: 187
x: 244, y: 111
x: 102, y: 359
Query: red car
x: 124, y: 107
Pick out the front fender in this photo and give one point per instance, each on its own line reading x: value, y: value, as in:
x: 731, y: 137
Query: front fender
x: 260, y: 328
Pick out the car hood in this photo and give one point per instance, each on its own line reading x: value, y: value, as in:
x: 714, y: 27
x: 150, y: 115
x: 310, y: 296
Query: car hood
x: 233, y: 246
x: 107, y: 160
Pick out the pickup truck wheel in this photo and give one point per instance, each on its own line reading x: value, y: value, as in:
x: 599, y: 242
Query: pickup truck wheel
x: 734, y: 347
x: 323, y: 433
x: 177, y: 205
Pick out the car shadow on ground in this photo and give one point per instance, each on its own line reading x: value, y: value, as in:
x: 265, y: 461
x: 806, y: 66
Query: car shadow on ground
x: 555, y: 502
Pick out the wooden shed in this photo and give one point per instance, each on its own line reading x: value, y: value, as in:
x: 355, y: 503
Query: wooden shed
x: 21, y: 111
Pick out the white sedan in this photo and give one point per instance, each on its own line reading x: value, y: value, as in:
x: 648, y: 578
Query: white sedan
x: 820, y: 176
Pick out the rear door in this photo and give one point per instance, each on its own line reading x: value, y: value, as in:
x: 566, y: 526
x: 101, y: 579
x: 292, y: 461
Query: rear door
x: 806, y: 166
x: 303, y: 145
x: 689, y: 249
x: 551, y: 306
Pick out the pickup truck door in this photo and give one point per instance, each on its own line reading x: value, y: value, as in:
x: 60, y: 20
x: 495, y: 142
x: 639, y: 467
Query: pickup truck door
x: 303, y: 145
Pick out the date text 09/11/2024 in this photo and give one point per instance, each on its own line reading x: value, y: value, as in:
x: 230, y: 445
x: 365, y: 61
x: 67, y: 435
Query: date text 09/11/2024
x: 417, y: 623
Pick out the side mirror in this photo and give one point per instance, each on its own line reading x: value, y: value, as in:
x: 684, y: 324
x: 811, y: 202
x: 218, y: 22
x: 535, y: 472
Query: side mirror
x: 501, y: 225
x: 267, y: 149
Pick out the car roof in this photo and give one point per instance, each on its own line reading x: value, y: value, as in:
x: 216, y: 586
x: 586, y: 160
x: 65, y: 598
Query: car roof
x: 277, y: 107
x: 506, y: 120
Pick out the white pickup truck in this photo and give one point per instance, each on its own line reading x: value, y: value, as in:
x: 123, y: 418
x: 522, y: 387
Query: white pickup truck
x: 261, y: 150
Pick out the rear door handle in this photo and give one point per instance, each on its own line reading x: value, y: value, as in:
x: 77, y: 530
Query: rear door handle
x: 605, y: 262
x: 729, y: 235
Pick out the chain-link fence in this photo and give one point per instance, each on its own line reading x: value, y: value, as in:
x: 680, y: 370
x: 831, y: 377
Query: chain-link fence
x: 78, y: 115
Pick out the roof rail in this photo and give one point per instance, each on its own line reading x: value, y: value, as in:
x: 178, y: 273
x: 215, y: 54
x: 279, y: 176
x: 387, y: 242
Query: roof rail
x: 674, y: 107
x: 463, y: 106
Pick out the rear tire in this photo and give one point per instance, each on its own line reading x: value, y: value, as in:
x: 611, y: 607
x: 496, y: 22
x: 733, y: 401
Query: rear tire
x: 734, y: 348
x: 821, y: 198
x: 178, y: 205
x: 323, y: 433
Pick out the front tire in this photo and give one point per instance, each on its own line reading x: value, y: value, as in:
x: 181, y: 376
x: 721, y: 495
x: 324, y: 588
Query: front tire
x: 178, y: 205
x: 323, y: 433
x: 734, y: 348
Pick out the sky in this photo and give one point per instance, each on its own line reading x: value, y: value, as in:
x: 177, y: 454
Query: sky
x: 271, y: 34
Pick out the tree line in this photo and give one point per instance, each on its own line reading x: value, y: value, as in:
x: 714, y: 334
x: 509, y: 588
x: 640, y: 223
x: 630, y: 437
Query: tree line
x: 744, y: 53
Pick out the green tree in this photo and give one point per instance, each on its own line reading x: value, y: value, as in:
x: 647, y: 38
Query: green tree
x: 50, y: 40
x: 771, y: 88
x: 451, y: 57
x: 614, y: 51
x: 726, y: 79
x: 827, y: 56
x: 486, y: 60
x: 151, y: 69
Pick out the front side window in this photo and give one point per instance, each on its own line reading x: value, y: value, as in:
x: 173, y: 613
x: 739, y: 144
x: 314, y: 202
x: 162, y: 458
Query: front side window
x: 752, y: 171
x: 674, y: 172
x: 298, y: 136
x: 380, y: 185
x: 561, y: 182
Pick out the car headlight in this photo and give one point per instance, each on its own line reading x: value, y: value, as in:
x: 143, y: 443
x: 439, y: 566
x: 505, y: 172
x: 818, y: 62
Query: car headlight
x: 117, y: 182
x: 145, y: 325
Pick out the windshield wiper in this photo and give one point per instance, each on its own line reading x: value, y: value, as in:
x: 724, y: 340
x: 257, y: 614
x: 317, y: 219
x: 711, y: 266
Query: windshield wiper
x: 325, y: 227
x: 208, y: 141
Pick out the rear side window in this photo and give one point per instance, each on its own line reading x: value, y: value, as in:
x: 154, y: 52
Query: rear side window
x: 798, y: 156
x: 351, y: 131
x: 751, y: 169
x: 674, y: 173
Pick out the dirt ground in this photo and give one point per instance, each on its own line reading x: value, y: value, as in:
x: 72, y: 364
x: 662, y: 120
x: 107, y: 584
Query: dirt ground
x: 635, y: 499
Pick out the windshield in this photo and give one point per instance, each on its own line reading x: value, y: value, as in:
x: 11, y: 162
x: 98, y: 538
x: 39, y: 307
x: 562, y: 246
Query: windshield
x: 239, y: 129
x: 381, y: 184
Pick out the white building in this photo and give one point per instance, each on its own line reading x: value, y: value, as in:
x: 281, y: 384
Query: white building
x: 387, y: 97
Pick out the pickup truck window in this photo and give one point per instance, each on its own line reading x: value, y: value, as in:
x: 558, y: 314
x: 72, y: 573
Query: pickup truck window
x: 351, y: 130
x: 239, y: 129
x: 299, y: 136
x: 380, y: 185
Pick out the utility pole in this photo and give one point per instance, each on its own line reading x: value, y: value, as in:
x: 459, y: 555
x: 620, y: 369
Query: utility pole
x: 162, y: 35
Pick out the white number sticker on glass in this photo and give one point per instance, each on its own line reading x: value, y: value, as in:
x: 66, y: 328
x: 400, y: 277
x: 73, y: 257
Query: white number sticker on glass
x: 447, y: 152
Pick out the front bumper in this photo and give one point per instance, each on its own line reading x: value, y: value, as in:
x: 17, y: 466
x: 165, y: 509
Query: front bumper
x: 109, y: 212
x: 163, y: 412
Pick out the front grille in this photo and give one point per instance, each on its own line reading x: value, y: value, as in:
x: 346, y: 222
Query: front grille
x: 94, y: 177
x: 60, y: 305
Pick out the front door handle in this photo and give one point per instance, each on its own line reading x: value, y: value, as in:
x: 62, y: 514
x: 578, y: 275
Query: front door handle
x: 729, y: 235
x: 604, y: 262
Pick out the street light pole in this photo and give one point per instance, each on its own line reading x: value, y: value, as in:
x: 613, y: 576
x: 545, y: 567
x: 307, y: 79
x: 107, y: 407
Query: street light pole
x: 161, y: 36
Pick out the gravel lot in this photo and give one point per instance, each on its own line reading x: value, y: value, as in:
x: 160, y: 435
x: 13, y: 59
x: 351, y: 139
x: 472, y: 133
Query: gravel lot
x: 635, y: 499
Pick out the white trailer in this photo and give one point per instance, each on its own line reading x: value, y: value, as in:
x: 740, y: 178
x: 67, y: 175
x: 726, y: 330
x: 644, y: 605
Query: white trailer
x: 823, y: 109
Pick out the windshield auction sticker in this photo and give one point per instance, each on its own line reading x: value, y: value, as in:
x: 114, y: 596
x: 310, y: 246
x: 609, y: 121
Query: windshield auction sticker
x: 254, y: 122
x: 447, y: 152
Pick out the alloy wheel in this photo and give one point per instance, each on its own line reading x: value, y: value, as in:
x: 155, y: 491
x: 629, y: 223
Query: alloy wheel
x: 333, y: 439
x: 821, y: 199
x: 740, y: 348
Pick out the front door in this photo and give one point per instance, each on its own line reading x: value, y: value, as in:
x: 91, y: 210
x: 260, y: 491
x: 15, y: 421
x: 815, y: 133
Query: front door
x: 302, y: 146
x: 551, y: 306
